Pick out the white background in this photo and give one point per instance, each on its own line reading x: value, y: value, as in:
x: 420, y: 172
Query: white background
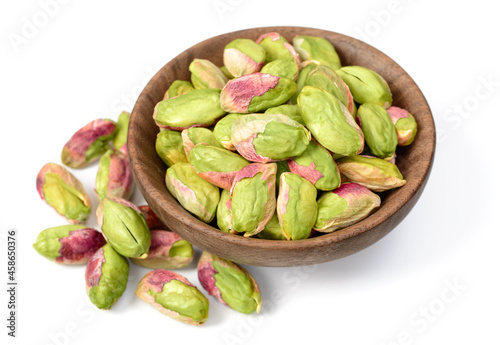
x: 433, y: 280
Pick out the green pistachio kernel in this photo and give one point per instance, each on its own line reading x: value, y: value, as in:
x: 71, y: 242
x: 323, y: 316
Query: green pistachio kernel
x: 290, y: 110
x: 296, y: 206
x: 366, y: 85
x: 378, y: 130
x: 186, y: 300
x: 317, y: 48
x: 106, y: 277
x: 330, y: 122
x: 178, y: 87
x: 194, y: 193
x: 196, y: 108
x: 236, y: 289
x: 170, y: 148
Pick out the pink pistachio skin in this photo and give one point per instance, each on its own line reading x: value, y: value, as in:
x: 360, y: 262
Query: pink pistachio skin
x: 79, y: 246
x: 269, y: 175
x: 93, y: 271
x: 206, y: 276
x: 154, y: 280
x: 151, y: 218
x: 273, y: 35
x: 237, y: 94
x: 73, y: 153
x: 120, y: 179
x: 391, y: 159
x: 238, y: 63
x: 309, y: 173
x: 159, y: 251
x: 223, y: 180
x: 294, y: 53
x: 350, y: 104
x: 284, y: 195
x: 352, y: 191
x: 395, y: 114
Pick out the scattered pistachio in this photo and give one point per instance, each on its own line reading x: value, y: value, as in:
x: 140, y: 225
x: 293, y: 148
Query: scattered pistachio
x: 229, y: 283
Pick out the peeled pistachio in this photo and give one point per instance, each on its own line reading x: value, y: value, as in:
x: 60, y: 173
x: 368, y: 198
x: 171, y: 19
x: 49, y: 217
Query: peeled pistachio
x: 286, y: 67
x: 178, y: 87
x: 330, y: 122
x: 114, y: 176
x: 69, y: 244
x: 124, y: 226
x: 216, y: 165
x: 255, y: 92
x: 366, y: 85
x: 374, y: 173
x: 378, y: 130
x: 253, y: 200
x: 168, y: 251
x: 345, y: 206
x: 173, y: 295
x: 277, y: 47
x: 272, y: 230
x: 243, y: 56
x: 405, y: 123
x: 88, y: 143
x: 194, y: 193
x: 230, y: 283
x: 224, y: 213
x: 296, y: 206
x: 120, y: 138
x: 327, y: 79
x: 106, y: 277
x: 266, y: 137
x: 195, y: 135
x: 198, y: 108
x: 206, y: 75
x: 317, y: 48
x: 305, y: 68
x: 290, y: 110
x: 170, y: 148
x: 317, y: 166
x: 63, y: 192
x: 222, y: 131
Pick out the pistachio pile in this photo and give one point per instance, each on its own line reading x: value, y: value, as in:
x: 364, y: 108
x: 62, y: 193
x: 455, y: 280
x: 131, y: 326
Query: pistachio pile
x: 282, y: 142
x: 129, y: 233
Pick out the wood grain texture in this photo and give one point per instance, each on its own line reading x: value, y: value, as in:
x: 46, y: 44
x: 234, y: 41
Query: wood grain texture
x: 414, y: 161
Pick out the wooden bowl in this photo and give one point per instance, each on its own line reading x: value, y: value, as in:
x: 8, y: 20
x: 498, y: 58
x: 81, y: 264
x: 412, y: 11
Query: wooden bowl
x: 414, y: 161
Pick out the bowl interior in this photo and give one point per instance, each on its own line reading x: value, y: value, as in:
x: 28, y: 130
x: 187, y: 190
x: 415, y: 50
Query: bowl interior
x: 414, y: 161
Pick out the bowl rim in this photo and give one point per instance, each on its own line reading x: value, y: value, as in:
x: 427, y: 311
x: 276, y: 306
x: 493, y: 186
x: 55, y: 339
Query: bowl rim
x: 411, y: 190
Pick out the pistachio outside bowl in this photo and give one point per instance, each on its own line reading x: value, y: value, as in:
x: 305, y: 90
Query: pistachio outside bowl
x: 414, y: 161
